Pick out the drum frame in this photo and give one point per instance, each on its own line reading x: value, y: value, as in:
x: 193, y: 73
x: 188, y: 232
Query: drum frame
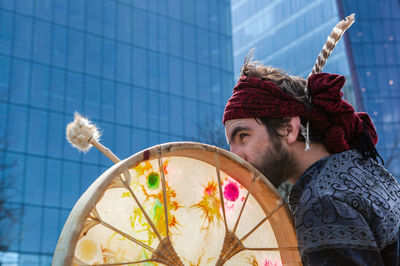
x: 261, y: 189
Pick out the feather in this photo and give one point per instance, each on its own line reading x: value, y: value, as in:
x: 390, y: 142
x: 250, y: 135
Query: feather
x: 80, y: 132
x: 331, y: 42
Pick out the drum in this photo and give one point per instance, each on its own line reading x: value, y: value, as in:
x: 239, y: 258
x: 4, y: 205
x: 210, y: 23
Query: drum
x: 179, y: 203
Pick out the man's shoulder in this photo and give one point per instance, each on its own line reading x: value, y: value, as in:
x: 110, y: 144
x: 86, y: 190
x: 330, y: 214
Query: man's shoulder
x: 350, y: 194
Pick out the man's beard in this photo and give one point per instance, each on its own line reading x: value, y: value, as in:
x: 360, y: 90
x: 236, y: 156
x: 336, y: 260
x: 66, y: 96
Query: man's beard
x: 277, y: 164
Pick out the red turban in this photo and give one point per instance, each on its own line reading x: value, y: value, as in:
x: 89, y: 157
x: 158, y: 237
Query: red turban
x: 341, y: 125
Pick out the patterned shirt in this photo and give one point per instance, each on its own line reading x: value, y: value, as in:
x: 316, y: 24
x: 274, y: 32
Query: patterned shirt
x: 347, y: 212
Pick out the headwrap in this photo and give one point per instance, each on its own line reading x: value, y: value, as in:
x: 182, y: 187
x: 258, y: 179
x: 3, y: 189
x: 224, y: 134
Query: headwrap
x: 329, y: 113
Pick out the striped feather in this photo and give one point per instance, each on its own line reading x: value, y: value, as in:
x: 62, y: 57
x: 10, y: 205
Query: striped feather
x: 331, y: 42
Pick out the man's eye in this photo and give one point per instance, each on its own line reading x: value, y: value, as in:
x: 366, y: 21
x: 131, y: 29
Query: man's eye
x: 243, y: 135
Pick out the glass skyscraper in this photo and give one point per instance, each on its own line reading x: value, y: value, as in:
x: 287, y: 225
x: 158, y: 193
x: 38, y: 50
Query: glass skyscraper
x: 374, y: 53
x: 146, y: 72
x: 290, y: 35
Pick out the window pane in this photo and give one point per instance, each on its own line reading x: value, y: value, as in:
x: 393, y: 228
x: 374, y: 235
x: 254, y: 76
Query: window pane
x: 189, y: 80
x: 55, y: 137
x: 215, y: 85
x: 139, y: 73
x: 163, y: 35
x: 139, y: 140
x: 188, y: 14
x: 153, y: 111
x: 164, y: 116
x: 107, y: 101
x: 50, y: 232
x: 189, y: 42
x: 175, y: 9
x: 17, y: 128
x: 16, y: 172
x: 57, y: 89
x: 153, y: 31
x: 175, y: 38
x: 70, y: 183
x: 109, y: 18
x: 3, y: 126
x: 37, y: 132
x: 124, y: 23
x: 109, y: 58
x: 175, y: 76
x: 59, y: 49
x: 31, y: 229
x: 93, y: 55
x: 203, y: 50
x: 77, y: 14
x: 43, y: 9
x: 152, y: 71
x: 92, y: 97
x: 203, y: 83
x: 60, y: 9
x: 34, y: 180
x: 89, y: 175
x: 163, y: 73
x: 40, y: 85
x: 123, y: 96
x: 176, y: 112
x: 75, y: 50
x: 93, y: 16
x: 22, y: 36
x: 74, y: 93
x: 25, y: 7
x: 124, y: 63
x: 6, y: 31
x: 4, y: 77
x: 140, y: 29
x: 139, y: 108
x: 202, y: 13
x: 25, y: 259
x: 191, y: 123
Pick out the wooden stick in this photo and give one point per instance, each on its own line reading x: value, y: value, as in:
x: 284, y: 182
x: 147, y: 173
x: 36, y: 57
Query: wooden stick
x: 107, y: 152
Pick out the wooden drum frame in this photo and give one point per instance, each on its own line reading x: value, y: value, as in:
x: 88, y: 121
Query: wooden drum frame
x: 89, y: 212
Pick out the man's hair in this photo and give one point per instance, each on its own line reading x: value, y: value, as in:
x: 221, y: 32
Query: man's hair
x: 292, y: 85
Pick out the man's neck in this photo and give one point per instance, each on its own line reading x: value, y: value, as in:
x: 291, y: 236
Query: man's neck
x: 307, y: 158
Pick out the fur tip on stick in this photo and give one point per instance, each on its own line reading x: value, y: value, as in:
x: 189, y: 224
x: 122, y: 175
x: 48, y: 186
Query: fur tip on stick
x: 80, y: 132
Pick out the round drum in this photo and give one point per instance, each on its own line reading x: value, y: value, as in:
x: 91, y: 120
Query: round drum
x: 179, y: 204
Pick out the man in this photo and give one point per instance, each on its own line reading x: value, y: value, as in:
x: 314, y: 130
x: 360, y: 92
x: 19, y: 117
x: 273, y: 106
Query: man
x: 345, y: 205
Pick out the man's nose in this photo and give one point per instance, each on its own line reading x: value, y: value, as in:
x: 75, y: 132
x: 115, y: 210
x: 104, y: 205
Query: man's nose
x: 238, y: 151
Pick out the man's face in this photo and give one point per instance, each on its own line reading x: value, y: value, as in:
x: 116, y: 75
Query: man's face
x: 251, y: 141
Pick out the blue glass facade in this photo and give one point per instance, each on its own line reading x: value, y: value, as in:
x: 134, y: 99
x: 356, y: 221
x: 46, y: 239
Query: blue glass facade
x: 146, y: 72
x: 290, y: 34
x: 374, y: 48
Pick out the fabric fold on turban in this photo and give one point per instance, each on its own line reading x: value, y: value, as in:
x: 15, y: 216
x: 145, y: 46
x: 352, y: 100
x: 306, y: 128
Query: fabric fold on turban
x: 341, y: 125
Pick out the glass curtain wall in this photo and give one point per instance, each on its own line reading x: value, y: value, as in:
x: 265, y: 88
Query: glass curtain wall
x: 288, y: 35
x: 146, y: 72
x: 375, y: 51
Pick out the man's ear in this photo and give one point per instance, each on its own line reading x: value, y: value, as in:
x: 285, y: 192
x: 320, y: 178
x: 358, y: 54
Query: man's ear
x: 292, y: 130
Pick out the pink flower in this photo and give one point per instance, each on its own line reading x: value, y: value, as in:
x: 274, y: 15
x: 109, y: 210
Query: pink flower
x: 231, y: 191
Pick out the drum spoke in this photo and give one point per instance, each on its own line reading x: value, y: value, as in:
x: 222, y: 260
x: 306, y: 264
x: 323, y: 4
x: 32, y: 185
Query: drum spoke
x: 164, y: 190
x: 262, y: 222
x: 243, y: 205
x: 109, y: 226
x: 221, y: 195
x: 127, y: 186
